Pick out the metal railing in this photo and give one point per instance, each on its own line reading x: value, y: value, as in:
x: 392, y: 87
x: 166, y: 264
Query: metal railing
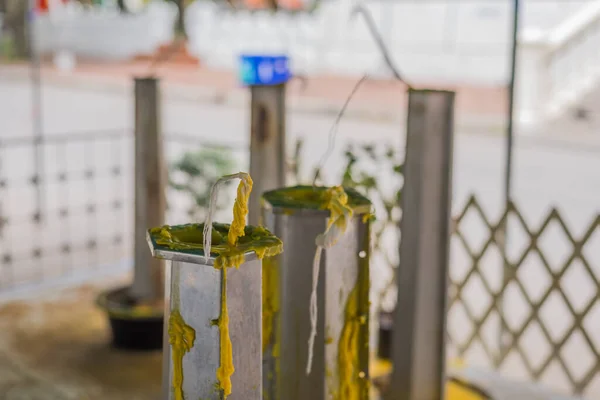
x: 85, y: 219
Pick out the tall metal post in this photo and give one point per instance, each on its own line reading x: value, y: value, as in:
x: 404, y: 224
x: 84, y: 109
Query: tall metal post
x: 37, y: 101
x: 418, y: 343
x: 341, y: 349
x: 267, y: 142
x: 196, y: 294
x: 150, y: 182
x: 266, y: 76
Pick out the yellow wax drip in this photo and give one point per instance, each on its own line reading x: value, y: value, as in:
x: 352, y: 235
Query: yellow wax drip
x: 181, y: 338
x: 353, y: 382
x: 270, y: 296
x: 226, y: 368
x: 336, y: 201
x: 348, y: 346
x: 240, y: 210
x: 236, y: 230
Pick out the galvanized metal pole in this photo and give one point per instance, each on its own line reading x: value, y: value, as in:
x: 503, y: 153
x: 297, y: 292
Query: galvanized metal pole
x: 194, y: 298
x: 418, y: 344
x: 150, y: 182
x: 267, y: 143
x: 195, y: 292
x: 341, y: 350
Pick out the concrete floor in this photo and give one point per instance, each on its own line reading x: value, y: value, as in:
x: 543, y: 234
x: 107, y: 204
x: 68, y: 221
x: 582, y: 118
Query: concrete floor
x: 58, y: 347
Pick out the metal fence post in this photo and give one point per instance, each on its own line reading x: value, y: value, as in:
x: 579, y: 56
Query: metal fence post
x: 418, y: 344
x: 341, y: 351
x: 194, y: 300
x: 150, y: 180
x: 267, y: 142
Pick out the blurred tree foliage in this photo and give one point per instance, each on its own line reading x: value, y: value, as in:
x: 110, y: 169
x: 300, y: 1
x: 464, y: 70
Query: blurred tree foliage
x: 195, y: 173
x: 15, y: 24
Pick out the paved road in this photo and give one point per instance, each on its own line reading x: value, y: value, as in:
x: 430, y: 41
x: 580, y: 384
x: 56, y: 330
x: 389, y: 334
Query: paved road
x: 545, y: 175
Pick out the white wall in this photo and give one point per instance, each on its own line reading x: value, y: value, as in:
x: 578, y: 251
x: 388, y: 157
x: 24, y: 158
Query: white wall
x: 451, y: 41
x: 461, y: 41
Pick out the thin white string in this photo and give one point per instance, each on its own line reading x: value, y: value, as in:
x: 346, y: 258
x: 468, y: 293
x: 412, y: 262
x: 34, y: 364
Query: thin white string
x: 313, y: 308
x: 212, y: 207
x: 323, y: 241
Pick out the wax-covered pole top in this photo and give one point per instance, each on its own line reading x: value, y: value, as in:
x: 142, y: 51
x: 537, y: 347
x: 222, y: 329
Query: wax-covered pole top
x: 313, y: 198
x: 186, y: 240
x: 228, y: 244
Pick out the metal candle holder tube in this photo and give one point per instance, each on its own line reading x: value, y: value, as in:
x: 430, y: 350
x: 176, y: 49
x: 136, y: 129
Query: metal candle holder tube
x: 193, y: 288
x: 419, y: 334
x: 343, y: 305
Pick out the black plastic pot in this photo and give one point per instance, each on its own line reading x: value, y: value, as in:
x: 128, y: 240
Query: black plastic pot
x: 133, y: 327
x: 386, y: 324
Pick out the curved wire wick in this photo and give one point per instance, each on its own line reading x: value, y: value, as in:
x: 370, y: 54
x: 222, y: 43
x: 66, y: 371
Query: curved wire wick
x: 362, y: 10
x: 333, y: 130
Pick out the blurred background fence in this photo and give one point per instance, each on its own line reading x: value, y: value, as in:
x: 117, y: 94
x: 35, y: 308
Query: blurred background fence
x: 84, y: 220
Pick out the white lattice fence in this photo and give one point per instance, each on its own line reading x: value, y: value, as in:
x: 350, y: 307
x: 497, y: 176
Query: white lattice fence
x: 535, y: 312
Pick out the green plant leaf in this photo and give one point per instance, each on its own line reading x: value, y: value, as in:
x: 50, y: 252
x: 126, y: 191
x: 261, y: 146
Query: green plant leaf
x: 198, y: 171
x: 399, y: 169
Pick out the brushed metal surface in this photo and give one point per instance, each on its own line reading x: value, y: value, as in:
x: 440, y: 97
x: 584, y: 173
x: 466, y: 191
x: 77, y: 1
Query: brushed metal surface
x: 195, y: 289
x: 337, y: 277
x: 199, y: 303
x: 267, y: 143
x: 418, y: 343
x: 150, y: 182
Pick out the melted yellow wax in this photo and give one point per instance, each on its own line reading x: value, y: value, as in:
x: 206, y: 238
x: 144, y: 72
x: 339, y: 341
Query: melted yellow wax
x: 270, y: 297
x: 226, y: 368
x: 181, y: 338
x: 270, y: 309
x: 189, y: 238
x: 455, y: 390
x: 240, y: 210
x: 354, y: 338
x: 348, y: 351
x: 229, y: 244
x: 352, y: 382
x: 313, y: 197
x: 236, y: 230
x: 335, y: 200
